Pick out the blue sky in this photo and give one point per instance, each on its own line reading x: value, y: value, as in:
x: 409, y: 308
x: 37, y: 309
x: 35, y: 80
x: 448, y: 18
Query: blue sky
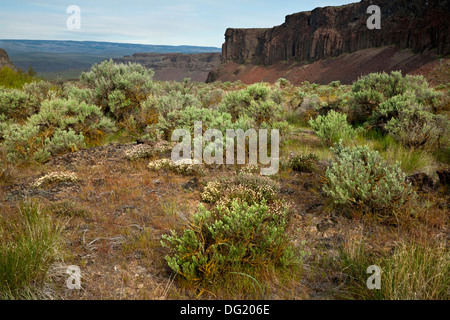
x: 175, y: 22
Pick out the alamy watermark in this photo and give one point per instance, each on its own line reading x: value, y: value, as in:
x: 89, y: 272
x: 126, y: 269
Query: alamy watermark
x: 374, y: 281
x: 213, y: 152
x: 374, y: 21
x: 73, y: 22
x: 74, y: 280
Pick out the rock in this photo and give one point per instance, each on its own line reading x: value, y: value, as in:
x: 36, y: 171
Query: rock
x: 444, y: 177
x: 330, y: 31
x: 191, y: 184
x: 422, y: 181
x: 287, y: 191
x: 313, y: 207
x: 4, y: 60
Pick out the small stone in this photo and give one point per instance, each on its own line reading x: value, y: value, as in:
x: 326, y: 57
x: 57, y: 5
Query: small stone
x: 191, y: 184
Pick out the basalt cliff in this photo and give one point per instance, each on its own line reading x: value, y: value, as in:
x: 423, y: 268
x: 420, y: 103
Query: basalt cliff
x: 4, y: 60
x: 337, y: 43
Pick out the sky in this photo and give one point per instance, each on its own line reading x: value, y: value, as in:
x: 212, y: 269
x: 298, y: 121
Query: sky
x: 174, y: 22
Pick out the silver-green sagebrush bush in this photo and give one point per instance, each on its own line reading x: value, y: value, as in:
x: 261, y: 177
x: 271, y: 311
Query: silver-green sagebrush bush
x: 369, y: 92
x: 258, y: 101
x: 62, y: 142
x: 22, y: 143
x: 412, y: 123
x: 360, y: 179
x: 332, y: 128
x: 173, y: 101
x: 60, y: 126
x: 72, y: 92
x: 229, y: 239
x: 40, y: 91
x: 119, y: 88
x: 63, y: 114
x: 15, y: 104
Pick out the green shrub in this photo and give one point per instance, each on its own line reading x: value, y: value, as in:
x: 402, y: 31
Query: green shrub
x: 416, y: 127
x: 15, y: 104
x: 239, y: 238
x: 332, y: 128
x: 391, y: 108
x: 40, y: 91
x: 22, y: 143
x: 60, y: 126
x: 15, y: 79
x: 27, y: 143
x: 72, y: 92
x: 173, y: 101
x: 264, y: 111
x: 186, y: 118
x: 335, y: 84
x: 370, y: 91
x: 361, y: 180
x: 258, y: 102
x: 393, y: 84
x: 71, y: 114
x: 410, y: 122
x: 282, y: 83
x: 63, y: 142
x: 211, y: 98
x: 236, y: 103
x: 258, y: 91
x: 364, y: 104
x: 119, y: 89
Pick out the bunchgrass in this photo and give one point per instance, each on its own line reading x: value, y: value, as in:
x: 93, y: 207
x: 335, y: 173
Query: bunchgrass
x: 412, y: 271
x: 29, y: 245
x: 411, y: 160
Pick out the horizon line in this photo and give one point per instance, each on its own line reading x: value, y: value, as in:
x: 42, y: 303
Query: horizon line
x: 138, y: 44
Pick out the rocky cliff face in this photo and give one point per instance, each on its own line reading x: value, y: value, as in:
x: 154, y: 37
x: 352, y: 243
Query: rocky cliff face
x: 4, y: 59
x: 306, y: 37
x: 330, y: 31
x: 176, y: 66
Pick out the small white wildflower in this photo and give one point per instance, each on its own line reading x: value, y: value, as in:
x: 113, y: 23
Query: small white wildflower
x: 55, y: 177
x: 250, y: 168
x: 138, y: 152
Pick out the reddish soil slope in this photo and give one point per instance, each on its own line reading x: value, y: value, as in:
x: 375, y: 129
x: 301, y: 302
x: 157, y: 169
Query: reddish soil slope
x: 345, y: 68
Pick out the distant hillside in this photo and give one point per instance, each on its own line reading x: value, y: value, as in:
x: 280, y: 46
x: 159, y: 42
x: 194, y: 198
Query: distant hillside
x: 176, y: 66
x: 67, y: 59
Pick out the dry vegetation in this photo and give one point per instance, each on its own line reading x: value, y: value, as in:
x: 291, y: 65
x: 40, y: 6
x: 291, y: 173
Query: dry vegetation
x: 76, y: 189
